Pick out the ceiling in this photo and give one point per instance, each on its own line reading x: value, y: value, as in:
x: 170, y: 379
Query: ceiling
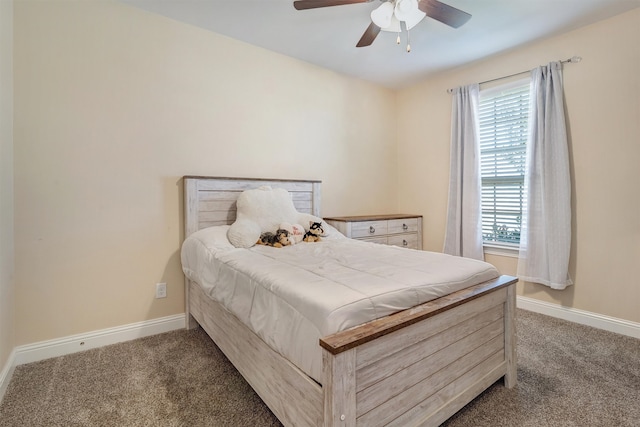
x: 327, y: 37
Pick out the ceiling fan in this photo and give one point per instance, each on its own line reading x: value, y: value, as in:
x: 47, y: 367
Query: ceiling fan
x: 392, y: 15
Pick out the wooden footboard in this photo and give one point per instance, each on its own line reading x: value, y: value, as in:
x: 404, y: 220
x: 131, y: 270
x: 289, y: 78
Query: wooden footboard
x: 416, y: 367
x: 420, y: 366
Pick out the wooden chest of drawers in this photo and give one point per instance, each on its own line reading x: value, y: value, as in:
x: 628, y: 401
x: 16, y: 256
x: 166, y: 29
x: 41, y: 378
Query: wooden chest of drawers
x: 397, y: 230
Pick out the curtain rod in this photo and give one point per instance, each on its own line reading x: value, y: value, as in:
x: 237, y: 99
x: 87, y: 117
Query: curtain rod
x: 573, y: 59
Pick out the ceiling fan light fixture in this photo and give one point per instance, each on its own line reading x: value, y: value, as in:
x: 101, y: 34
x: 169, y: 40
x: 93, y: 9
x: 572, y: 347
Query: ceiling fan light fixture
x: 390, y: 15
x: 407, y: 11
x: 394, y: 26
x: 413, y: 20
x: 383, y: 15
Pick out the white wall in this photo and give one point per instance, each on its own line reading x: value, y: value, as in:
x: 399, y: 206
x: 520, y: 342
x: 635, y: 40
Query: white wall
x: 6, y: 183
x: 113, y: 105
x: 602, y: 95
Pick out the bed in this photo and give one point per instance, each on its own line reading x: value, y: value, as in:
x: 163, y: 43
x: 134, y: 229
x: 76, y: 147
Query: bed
x: 417, y: 366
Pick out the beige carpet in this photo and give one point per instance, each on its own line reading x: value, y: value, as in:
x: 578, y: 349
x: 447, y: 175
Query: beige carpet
x: 569, y: 375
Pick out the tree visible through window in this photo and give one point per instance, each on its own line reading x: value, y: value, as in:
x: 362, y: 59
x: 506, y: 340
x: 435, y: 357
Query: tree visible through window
x: 503, y: 125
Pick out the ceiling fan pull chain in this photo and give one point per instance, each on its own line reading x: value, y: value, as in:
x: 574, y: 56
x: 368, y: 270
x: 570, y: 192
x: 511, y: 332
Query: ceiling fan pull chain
x: 398, y: 39
x: 408, y: 42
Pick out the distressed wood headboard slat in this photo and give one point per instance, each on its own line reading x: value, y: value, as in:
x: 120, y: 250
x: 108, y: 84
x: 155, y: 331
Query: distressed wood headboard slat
x: 211, y: 201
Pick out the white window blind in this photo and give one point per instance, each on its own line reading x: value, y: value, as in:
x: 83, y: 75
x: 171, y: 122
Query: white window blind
x: 503, y: 117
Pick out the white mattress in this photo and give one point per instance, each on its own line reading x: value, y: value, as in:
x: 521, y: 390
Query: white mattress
x: 292, y: 296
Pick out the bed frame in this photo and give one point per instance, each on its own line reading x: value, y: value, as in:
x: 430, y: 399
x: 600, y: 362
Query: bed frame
x: 415, y: 367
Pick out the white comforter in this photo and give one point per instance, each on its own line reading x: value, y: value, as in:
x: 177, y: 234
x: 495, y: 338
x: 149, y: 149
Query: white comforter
x: 292, y: 296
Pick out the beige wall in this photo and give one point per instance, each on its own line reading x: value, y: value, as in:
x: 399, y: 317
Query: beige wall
x: 113, y: 105
x: 6, y: 182
x: 602, y: 100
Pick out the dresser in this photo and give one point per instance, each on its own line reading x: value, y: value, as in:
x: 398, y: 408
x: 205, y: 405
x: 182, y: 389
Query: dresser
x: 396, y: 230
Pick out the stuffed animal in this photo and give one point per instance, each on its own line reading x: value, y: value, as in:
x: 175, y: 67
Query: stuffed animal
x: 296, y: 232
x: 314, y: 233
x: 263, y: 209
x: 277, y: 240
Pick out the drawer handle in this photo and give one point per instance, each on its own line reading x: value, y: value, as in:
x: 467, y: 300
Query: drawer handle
x: 404, y: 243
x: 371, y: 229
x: 405, y: 227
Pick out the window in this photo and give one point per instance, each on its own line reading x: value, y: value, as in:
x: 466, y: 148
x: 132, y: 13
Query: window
x: 503, y: 117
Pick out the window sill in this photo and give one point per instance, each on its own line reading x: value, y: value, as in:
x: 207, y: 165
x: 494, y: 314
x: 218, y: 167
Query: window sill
x: 501, y: 250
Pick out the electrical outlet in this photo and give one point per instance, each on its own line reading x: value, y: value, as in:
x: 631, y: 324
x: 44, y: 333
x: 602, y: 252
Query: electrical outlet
x: 161, y: 290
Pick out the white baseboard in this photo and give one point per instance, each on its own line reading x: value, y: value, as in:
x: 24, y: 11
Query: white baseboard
x: 600, y: 321
x: 75, y: 343
x: 7, y: 372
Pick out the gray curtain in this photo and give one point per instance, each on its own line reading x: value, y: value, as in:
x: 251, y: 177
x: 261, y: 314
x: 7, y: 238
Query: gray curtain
x: 464, y: 217
x: 545, y: 240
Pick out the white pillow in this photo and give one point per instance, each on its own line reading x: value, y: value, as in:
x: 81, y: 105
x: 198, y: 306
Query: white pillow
x: 331, y: 232
x: 244, y: 233
x: 264, y: 209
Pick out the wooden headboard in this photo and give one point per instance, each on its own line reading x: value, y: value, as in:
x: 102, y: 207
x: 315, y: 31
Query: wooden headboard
x: 210, y: 201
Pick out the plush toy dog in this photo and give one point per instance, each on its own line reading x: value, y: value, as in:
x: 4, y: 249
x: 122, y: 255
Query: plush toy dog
x: 277, y: 240
x: 314, y: 233
x: 296, y: 232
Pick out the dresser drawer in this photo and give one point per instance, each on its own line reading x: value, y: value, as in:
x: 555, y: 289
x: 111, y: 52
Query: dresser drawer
x: 404, y: 240
x: 368, y: 229
x: 400, y: 230
x: 405, y: 225
x: 379, y: 239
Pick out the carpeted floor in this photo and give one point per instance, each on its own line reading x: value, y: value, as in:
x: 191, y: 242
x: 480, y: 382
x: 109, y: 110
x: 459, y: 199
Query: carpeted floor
x: 569, y: 375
